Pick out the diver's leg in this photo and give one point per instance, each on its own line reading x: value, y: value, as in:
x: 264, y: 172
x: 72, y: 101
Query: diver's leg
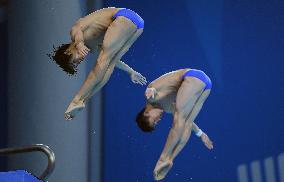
x: 118, y: 56
x: 104, y: 80
x: 74, y: 108
x: 188, y: 128
x: 187, y: 96
x: 116, y: 38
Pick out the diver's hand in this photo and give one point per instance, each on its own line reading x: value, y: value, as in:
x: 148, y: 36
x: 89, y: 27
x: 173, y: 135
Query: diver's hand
x: 138, y: 78
x: 150, y: 93
x: 82, y: 49
x: 206, y: 140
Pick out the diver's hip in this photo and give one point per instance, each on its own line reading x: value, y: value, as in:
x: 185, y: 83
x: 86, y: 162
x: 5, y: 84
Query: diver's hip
x: 130, y: 15
x: 199, y: 75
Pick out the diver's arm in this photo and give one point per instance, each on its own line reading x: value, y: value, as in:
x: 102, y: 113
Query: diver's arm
x: 196, y: 129
x: 161, y: 87
x: 157, y: 84
x: 76, y: 34
x: 124, y: 67
x: 83, y: 23
x: 156, y: 92
x: 203, y: 136
x: 134, y: 75
x: 80, y: 26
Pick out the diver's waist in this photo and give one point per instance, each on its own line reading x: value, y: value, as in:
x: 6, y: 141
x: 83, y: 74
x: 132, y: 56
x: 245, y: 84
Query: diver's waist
x: 199, y: 75
x: 131, y: 15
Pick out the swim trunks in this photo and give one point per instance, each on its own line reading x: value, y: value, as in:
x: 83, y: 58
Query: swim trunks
x: 131, y: 15
x: 199, y: 75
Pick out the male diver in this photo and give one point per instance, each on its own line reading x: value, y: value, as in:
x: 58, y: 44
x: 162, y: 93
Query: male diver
x: 109, y: 31
x: 181, y: 93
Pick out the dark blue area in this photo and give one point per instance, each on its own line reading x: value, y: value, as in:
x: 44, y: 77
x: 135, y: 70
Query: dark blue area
x: 239, y: 44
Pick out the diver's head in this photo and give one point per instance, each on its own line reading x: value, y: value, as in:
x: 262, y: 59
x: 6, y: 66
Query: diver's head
x: 149, y: 117
x: 67, y: 57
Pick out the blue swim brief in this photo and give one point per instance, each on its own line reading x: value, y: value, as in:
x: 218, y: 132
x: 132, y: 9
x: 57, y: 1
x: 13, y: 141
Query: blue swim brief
x: 199, y: 75
x: 131, y: 15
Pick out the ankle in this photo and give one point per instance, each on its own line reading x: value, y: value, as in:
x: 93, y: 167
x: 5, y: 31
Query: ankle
x: 165, y: 159
x: 77, y: 101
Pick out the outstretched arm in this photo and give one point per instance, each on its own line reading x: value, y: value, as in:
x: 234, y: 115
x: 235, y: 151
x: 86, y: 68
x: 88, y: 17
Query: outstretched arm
x: 124, y: 67
x: 135, y: 76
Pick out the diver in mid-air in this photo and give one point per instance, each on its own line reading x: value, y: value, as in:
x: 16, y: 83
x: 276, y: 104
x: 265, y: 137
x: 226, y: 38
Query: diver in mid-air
x: 181, y: 93
x: 109, y: 31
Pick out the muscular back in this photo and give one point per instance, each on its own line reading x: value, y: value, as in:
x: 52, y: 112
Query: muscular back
x: 167, y: 87
x: 100, y: 19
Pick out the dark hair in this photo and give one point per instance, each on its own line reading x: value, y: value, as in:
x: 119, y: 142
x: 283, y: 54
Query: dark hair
x: 143, y: 122
x: 62, y: 59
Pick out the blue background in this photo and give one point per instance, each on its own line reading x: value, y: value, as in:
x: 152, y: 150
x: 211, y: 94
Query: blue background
x: 239, y: 44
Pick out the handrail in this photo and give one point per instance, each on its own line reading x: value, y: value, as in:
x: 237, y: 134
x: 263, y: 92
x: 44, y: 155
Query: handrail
x: 35, y: 148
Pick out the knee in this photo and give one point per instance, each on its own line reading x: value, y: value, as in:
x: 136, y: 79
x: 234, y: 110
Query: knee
x: 107, y: 54
x: 179, y: 127
x: 183, y: 141
x: 182, y: 114
x: 110, y: 49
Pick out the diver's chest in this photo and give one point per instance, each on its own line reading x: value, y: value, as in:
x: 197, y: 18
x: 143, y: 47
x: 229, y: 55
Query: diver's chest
x: 93, y: 40
x: 168, y: 103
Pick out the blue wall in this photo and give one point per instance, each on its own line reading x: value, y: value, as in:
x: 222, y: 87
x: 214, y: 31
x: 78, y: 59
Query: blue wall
x: 240, y: 45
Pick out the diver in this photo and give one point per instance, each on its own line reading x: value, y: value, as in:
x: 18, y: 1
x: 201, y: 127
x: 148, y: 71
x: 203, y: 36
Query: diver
x: 108, y: 31
x: 181, y: 93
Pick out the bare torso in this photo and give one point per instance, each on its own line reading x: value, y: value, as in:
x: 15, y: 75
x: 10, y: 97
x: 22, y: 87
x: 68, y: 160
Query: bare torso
x: 184, y: 98
x: 97, y: 26
x: 167, y: 87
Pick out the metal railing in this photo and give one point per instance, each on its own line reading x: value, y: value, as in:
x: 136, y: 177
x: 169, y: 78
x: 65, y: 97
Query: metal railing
x: 35, y: 148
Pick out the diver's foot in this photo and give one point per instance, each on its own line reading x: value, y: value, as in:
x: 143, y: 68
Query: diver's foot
x: 162, y: 168
x: 73, y: 109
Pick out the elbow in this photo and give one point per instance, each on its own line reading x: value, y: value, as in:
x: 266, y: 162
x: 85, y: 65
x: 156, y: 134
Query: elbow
x: 73, y: 32
x: 79, y: 23
x: 74, y: 29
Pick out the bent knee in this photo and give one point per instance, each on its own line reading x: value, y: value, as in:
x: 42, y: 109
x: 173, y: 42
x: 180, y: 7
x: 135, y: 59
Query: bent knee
x: 108, y: 52
x: 179, y: 126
